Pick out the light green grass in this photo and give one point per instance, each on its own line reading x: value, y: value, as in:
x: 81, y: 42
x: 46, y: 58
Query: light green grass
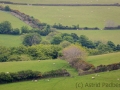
x: 84, y: 16
x: 10, y: 40
x: 47, y: 65
x: 15, y: 22
x: 66, y: 1
x: 69, y: 83
x: 95, y: 35
x: 43, y: 66
x: 104, y: 59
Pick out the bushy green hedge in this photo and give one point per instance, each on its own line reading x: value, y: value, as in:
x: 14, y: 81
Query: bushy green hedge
x: 56, y: 73
x: 8, y: 77
x: 19, y: 76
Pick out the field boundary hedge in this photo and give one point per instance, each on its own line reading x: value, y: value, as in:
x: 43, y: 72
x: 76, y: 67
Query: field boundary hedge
x: 101, y: 68
x: 24, y: 75
x: 8, y: 2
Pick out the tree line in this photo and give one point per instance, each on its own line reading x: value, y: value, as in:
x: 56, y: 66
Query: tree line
x: 6, y: 28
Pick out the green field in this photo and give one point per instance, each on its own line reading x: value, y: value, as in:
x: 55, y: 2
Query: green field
x: 66, y: 1
x: 10, y: 40
x: 15, y: 22
x: 44, y: 65
x: 70, y: 83
x: 104, y: 59
x: 94, y: 35
x: 47, y: 65
x: 84, y: 16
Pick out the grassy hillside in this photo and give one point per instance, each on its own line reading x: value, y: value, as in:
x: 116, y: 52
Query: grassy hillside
x: 15, y: 22
x: 65, y: 1
x: 46, y: 65
x: 70, y: 83
x: 10, y: 40
x: 104, y: 59
x: 102, y: 35
x: 84, y: 16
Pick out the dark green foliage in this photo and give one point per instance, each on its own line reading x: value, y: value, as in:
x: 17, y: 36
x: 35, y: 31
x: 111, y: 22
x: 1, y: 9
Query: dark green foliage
x: 56, y: 73
x: 68, y: 38
x: 5, y: 27
x: 3, y: 58
x: 75, y: 37
x: 30, y: 75
x: 60, y: 26
x: 56, y: 39
x: 7, y: 8
x: 4, y: 54
x: 65, y: 34
x: 84, y: 41
x: 32, y: 39
x: 16, y: 31
x: 103, y: 48
x: 24, y: 29
x: 19, y: 76
x: 111, y: 45
x: 118, y: 47
x: 46, y: 30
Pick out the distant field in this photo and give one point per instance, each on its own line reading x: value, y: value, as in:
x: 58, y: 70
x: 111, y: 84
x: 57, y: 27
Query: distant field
x: 66, y: 1
x: 15, y: 22
x: 84, y: 16
x: 10, y: 40
x: 104, y: 59
x: 102, y: 35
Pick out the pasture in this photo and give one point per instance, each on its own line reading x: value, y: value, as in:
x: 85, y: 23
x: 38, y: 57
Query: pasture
x: 15, y: 22
x: 42, y: 66
x: 104, y: 59
x: 94, y: 35
x: 71, y: 83
x: 66, y: 1
x: 84, y: 16
x: 10, y: 40
x: 47, y: 65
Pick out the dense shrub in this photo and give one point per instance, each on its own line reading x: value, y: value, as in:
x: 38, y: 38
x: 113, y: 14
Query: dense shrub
x: 32, y: 39
x: 56, y: 73
x: 30, y: 75
x: 19, y: 76
x: 109, y: 67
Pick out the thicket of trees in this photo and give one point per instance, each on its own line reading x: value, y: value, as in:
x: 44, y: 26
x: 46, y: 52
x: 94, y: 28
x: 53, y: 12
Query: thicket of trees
x: 93, y: 48
x: 35, y: 52
x: 32, y: 39
x: 6, y: 28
